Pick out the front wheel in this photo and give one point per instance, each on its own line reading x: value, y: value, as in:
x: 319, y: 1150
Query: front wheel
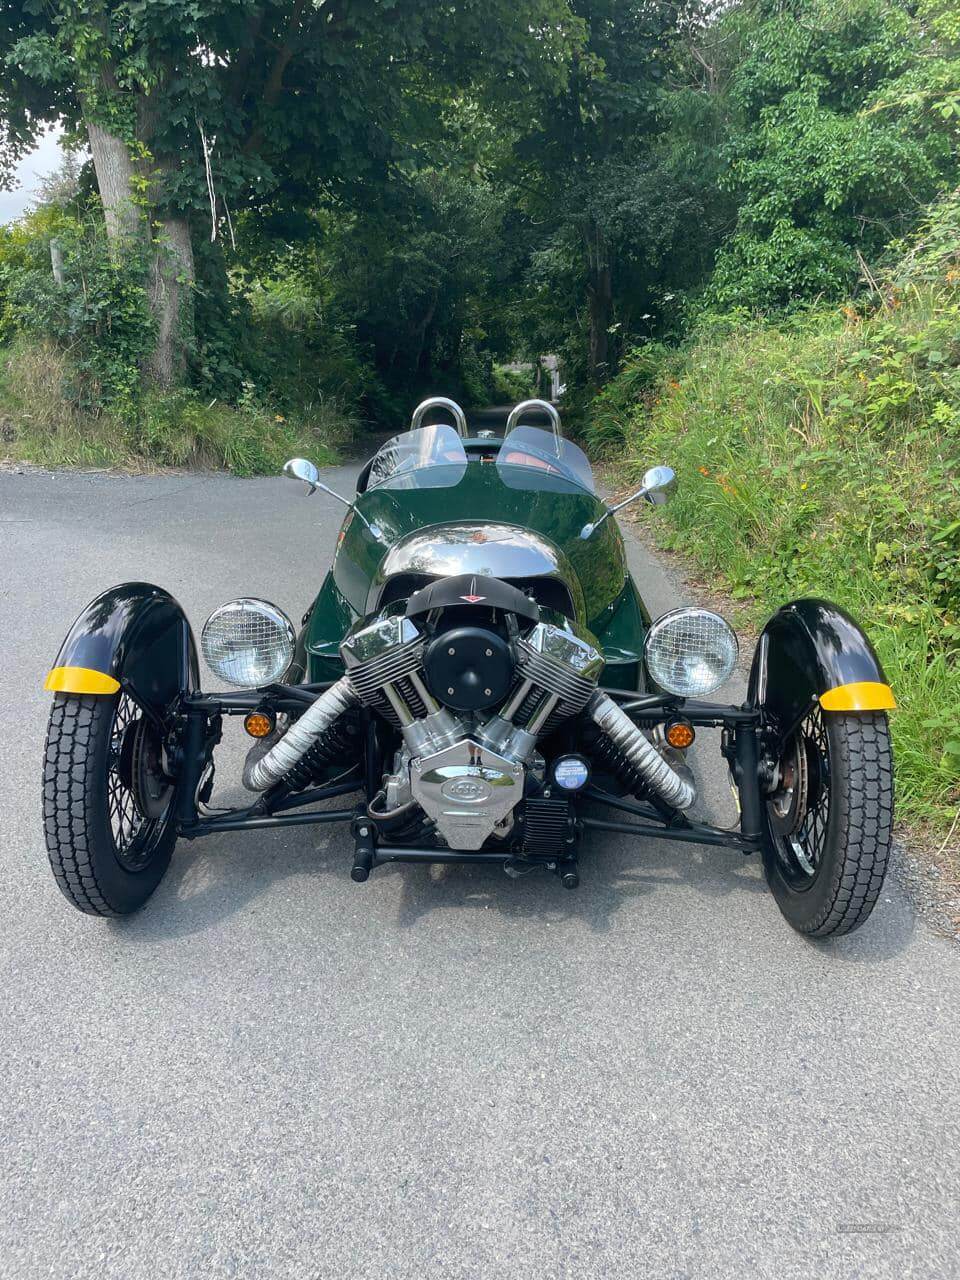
x: 829, y: 821
x: 108, y: 808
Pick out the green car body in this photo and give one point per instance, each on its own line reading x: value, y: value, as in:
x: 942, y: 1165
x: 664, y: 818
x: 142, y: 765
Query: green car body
x: 383, y: 518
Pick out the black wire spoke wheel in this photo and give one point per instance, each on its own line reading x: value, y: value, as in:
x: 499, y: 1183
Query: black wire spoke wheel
x: 137, y: 793
x: 108, y: 805
x: 800, y: 808
x: 829, y: 821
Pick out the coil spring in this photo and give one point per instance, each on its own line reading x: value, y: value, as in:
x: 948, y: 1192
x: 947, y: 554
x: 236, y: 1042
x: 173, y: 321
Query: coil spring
x: 337, y: 744
x: 607, y: 754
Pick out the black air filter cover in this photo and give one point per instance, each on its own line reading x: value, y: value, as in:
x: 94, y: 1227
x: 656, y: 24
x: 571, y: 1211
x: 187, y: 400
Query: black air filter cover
x: 469, y: 668
x: 472, y: 589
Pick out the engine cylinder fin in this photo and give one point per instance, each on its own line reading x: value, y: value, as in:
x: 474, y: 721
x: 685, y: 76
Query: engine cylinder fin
x: 541, y: 715
x: 561, y: 712
x: 572, y: 689
x: 388, y: 668
x: 408, y: 693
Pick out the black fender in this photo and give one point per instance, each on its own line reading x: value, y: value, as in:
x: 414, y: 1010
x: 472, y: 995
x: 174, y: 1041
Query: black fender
x: 812, y: 651
x: 136, y: 633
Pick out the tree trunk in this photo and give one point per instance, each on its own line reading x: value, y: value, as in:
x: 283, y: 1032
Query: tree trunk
x: 115, y: 173
x: 171, y: 274
x: 171, y: 301
x: 599, y: 301
x: 420, y: 335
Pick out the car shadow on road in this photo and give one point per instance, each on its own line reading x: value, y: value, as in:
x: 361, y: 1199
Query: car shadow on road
x: 220, y: 876
x: 613, y: 880
x: 610, y: 881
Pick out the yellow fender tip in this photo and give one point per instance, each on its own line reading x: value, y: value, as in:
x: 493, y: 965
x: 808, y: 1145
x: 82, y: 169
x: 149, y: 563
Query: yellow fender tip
x: 79, y: 680
x: 862, y: 695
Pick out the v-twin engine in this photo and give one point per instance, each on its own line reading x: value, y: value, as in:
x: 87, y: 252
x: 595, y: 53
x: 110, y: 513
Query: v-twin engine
x: 470, y: 700
x: 466, y: 769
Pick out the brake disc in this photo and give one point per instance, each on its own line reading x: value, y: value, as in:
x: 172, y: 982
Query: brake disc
x: 151, y: 788
x: 789, y: 804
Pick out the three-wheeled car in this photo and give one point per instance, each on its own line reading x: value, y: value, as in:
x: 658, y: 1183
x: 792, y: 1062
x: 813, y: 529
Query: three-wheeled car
x: 479, y: 669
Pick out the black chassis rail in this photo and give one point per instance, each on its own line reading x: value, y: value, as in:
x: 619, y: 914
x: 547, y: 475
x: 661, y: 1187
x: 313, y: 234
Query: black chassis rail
x: 199, y: 718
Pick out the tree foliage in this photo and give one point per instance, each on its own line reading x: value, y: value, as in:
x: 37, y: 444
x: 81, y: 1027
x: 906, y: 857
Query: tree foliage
x: 371, y: 198
x: 195, y: 112
x: 827, y: 157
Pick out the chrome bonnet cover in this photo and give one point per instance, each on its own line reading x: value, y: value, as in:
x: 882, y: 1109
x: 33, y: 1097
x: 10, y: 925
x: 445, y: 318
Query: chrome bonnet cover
x: 495, y: 550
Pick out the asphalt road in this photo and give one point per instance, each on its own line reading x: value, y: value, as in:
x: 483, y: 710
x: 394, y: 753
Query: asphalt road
x: 272, y: 1071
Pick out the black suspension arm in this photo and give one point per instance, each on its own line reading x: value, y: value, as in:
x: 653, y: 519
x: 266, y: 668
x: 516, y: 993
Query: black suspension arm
x: 678, y: 827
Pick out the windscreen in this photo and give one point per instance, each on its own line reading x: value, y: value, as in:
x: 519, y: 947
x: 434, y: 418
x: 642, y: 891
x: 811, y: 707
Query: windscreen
x: 531, y: 458
x: 428, y: 458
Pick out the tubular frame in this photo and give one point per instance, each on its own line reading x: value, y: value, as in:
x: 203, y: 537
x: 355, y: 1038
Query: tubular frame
x: 199, y: 721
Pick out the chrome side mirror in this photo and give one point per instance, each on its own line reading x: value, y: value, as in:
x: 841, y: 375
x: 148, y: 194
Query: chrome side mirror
x: 302, y: 469
x: 305, y: 470
x: 658, y: 484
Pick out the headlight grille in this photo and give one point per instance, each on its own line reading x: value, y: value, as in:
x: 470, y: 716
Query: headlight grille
x: 248, y: 642
x: 691, y: 652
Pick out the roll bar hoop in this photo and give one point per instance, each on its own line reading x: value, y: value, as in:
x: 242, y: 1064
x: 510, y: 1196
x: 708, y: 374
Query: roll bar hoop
x: 440, y: 402
x: 518, y: 411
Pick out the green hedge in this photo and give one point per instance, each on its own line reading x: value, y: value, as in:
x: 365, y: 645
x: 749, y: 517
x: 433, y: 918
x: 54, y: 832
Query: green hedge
x: 820, y: 455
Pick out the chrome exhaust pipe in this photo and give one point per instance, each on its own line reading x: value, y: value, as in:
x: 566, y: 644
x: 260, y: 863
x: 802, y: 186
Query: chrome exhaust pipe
x: 657, y: 773
x: 259, y: 774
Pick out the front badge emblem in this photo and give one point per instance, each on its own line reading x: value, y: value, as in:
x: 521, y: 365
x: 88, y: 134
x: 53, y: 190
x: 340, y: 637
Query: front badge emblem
x: 466, y: 790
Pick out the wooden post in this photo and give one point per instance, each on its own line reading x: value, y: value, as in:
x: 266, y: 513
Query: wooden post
x: 56, y: 259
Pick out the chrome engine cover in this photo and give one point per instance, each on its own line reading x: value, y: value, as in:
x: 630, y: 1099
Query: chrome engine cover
x: 468, y: 791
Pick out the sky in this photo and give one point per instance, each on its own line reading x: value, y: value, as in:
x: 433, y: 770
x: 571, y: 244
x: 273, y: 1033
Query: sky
x: 42, y: 160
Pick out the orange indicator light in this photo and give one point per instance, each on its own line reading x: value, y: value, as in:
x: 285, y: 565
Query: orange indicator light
x: 679, y: 734
x: 257, y: 724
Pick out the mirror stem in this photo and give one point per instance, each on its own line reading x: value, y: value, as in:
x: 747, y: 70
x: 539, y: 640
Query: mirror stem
x: 352, y: 506
x: 588, y: 530
x: 303, y: 469
x: 658, y: 484
x: 318, y: 484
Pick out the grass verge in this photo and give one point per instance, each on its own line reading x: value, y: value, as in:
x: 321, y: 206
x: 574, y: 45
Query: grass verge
x: 820, y: 455
x: 40, y: 423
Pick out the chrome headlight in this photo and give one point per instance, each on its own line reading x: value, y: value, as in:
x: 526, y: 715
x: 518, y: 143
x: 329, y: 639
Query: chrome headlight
x: 690, y: 652
x: 248, y: 642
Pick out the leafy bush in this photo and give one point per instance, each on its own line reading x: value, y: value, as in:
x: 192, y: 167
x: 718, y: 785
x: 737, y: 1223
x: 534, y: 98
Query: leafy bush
x: 39, y: 423
x: 476, y: 371
x: 99, y: 314
x: 37, y: 420
x: 300, y: 352
x: 180, y: 430
x: 510, y: 386
x: 613, y: 407
x: 272, y: 376
x: 838, y: 133
x: 934, y: 253
x: 820, y: 455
